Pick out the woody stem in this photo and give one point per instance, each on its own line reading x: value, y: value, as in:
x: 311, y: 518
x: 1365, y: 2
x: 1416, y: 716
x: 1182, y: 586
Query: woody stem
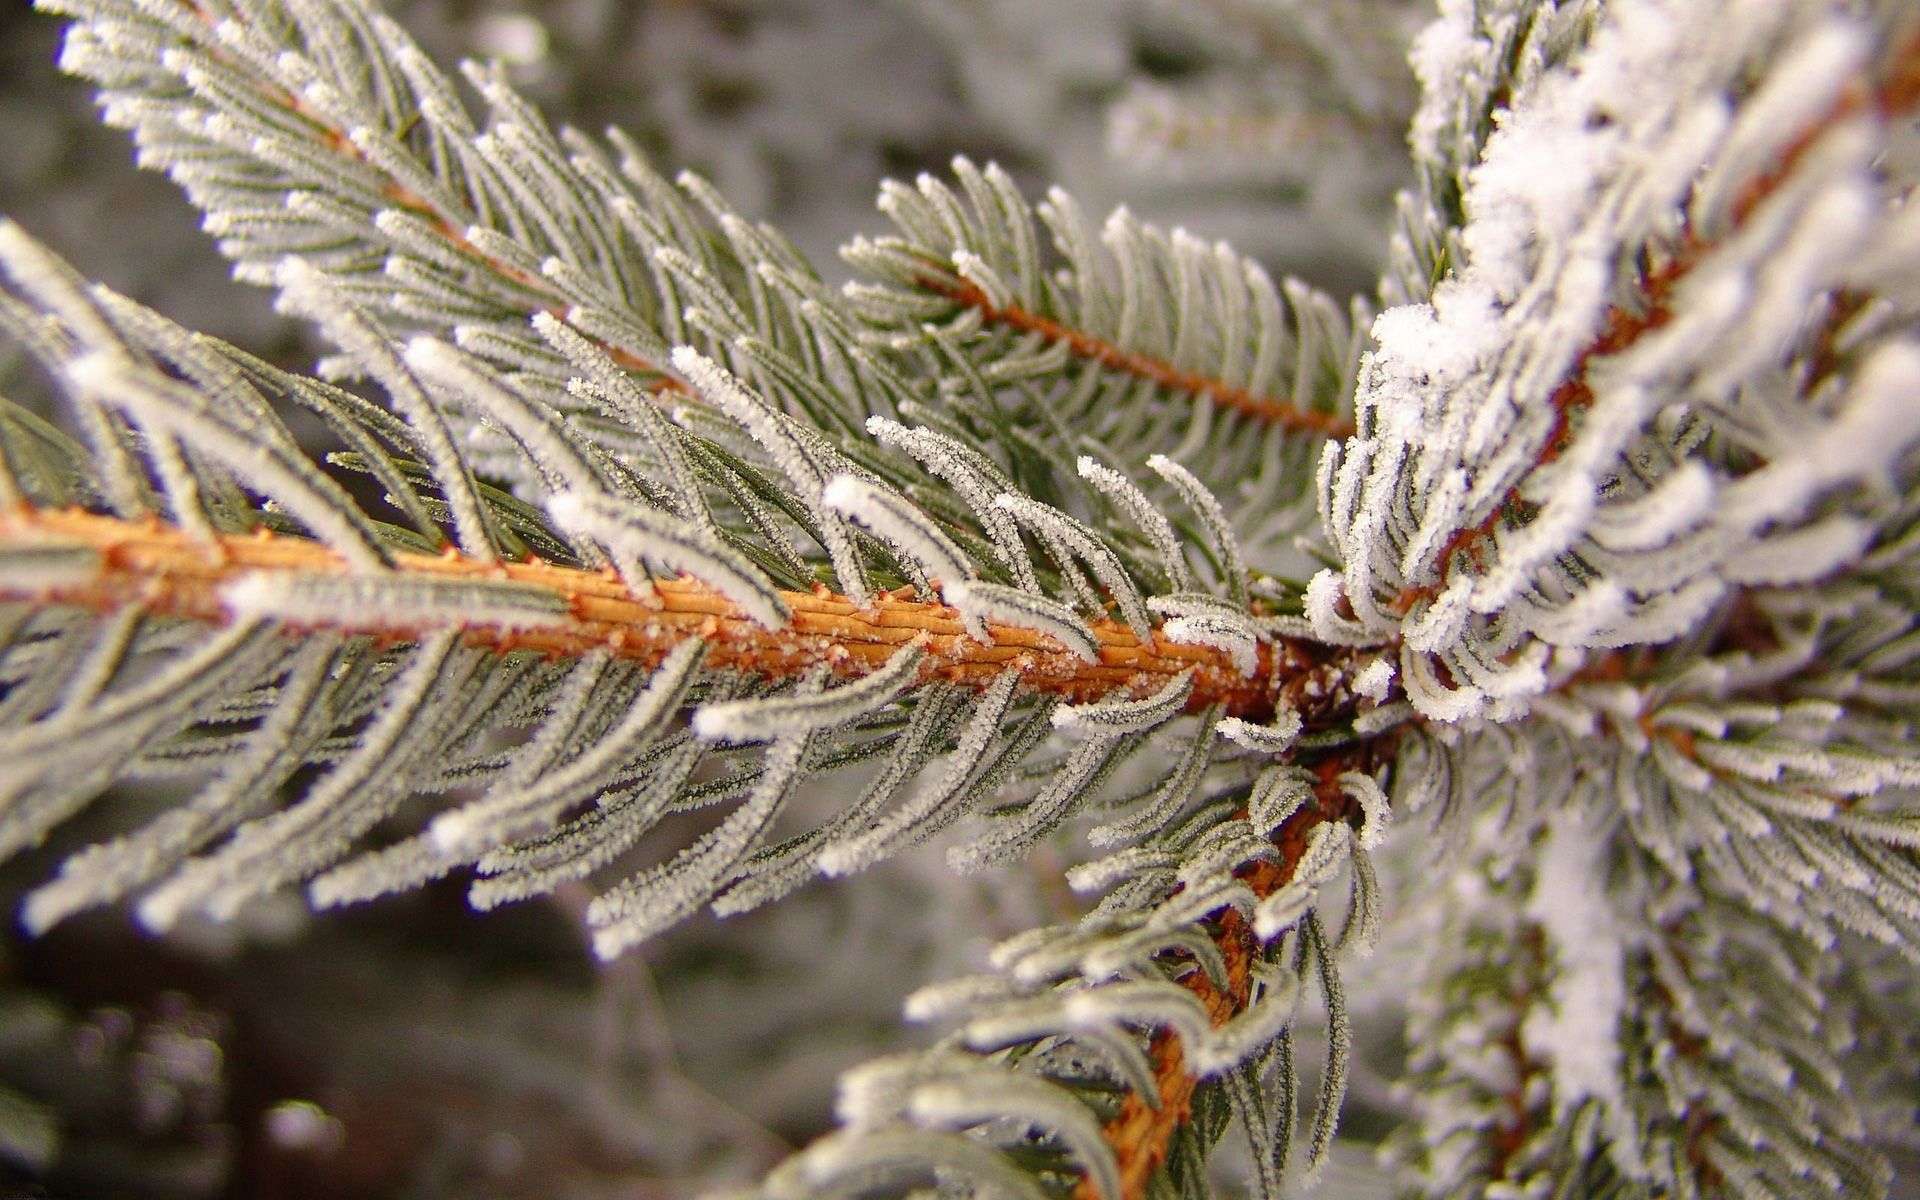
x: 170, y: 573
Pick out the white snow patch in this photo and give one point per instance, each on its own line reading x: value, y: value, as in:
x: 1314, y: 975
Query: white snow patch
x: 1374, y: 679
x: 1579, y: 1032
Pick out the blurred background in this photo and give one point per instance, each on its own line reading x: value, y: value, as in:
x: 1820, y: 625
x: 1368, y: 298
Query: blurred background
x: 410, y: 1048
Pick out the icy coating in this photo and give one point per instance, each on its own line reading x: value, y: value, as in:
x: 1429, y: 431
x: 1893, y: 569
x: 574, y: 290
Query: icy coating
x: 1543, y: 449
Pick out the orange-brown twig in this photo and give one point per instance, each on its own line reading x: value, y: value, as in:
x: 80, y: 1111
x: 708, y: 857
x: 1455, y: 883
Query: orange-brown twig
x: 1085, y: 345
x: 166, y: 571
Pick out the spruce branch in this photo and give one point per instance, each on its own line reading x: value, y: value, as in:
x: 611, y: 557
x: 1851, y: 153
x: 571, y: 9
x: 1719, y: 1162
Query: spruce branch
x: 440, y: 217
x: 1087, y: 346
x: 1143, y: 1130
x: 1564, y: 531
x: 1888, y: 89
x: 984, y: 672
x: 355, y: 152
x: 1143, y: 336
x: 1619, y: 547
